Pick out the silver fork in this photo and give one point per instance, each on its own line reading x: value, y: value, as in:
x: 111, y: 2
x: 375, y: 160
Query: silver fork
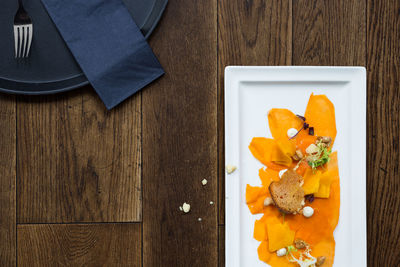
x: 23, y: 32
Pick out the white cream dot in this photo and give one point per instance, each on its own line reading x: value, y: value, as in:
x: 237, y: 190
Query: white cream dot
x: 308, y: 211
x: 291, y: 132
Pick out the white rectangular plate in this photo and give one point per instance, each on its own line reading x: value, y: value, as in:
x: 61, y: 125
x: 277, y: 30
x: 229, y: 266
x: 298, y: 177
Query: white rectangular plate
x: 250, y: 92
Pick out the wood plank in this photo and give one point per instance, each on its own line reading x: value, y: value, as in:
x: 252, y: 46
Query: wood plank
x: 7, y: 181
x: 221, y: 248
x: 329, y: 32
x: 383, y: 183
x: 79, y: 245
x: 180, y: 140
x: 249, y: 33
x: 78, y: 162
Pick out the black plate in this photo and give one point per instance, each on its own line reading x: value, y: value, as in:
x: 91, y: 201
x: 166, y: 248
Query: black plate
x: 51, y: 68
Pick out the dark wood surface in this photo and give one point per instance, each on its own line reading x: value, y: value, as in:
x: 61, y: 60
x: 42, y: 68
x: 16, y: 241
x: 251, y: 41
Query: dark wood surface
x: 8, y: 245
x: 383, y: 183
x: 250, y: 33
x: 76, y: 161
x: 180, y: 140
x: 82, y: 186
x: 80, y: 245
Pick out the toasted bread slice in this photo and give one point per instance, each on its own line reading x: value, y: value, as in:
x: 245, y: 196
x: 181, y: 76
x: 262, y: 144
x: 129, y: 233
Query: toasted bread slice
x: 287, y: 194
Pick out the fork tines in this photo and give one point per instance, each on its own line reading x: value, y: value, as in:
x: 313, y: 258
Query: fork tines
x: 22, y: 39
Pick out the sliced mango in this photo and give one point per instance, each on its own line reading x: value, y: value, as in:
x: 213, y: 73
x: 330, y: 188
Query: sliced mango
x: 267, y: 176
x: 279, y: 236
x: 327, y: 177
x: 271, y: 258
x: 303, y: 140
x: 326, y: 248
x: 271, y: 230
x: 324, y: 186
x: 263, y: 253
x: 267, y: 151
x: 281, y: 120
x: 258, y: 206
x: 311, y: 181
x: 320, y: 114
x: 260, y: 231
x: 302, y: 168
x: 254, y: 192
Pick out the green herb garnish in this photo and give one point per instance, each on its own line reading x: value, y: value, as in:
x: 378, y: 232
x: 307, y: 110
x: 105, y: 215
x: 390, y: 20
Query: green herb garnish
x: 322, y: 156
x: 290, y: 249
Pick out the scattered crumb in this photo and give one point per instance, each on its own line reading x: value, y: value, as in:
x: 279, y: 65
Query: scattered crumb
x: 186, y: 207
x: 204, y: 182
x: 211, y: 203
x: 180, y: 208
x: 199, y: 219
x: 230, y: 168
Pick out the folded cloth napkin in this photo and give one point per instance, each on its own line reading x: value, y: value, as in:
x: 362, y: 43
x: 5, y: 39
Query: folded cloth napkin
x: 108, y: 46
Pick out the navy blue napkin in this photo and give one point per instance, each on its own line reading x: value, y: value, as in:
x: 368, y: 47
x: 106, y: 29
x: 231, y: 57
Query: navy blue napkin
x: 107, y: 45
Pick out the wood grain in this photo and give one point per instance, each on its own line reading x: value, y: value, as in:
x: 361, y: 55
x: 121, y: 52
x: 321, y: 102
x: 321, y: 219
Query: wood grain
x: 329, y: 32
x: 7, y: 181
x: 180, y: 140
x: 221, y: 245
x: 78, y: 162
x: 249, y: 33
x: 383, y: 183
x: 79, y: 245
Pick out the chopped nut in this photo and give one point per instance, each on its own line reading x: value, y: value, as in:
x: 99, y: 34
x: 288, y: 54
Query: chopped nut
x: 299, y: 244
x: 311, y: 158
x: 325, y: 140
x: 204, y: 181
x: 267, y: 201
x: 299, y: 154
x: 211, y: 203
x: 320, y: 260
x: 295, y: 157
x: 230, y: 168
x: 312, y: 149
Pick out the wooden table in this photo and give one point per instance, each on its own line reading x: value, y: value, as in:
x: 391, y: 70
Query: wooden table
x: 81, y: 186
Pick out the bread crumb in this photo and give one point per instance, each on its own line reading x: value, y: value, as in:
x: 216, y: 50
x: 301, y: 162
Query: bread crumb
x: 204, y: 182
x: 180, y: 208
x: 211, y: 203
x: 199, y: 219
x: 230, y: 169
x: 186, y: 207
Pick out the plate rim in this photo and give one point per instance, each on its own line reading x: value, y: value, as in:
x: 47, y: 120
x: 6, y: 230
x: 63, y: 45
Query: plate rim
x: 234, y: 75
